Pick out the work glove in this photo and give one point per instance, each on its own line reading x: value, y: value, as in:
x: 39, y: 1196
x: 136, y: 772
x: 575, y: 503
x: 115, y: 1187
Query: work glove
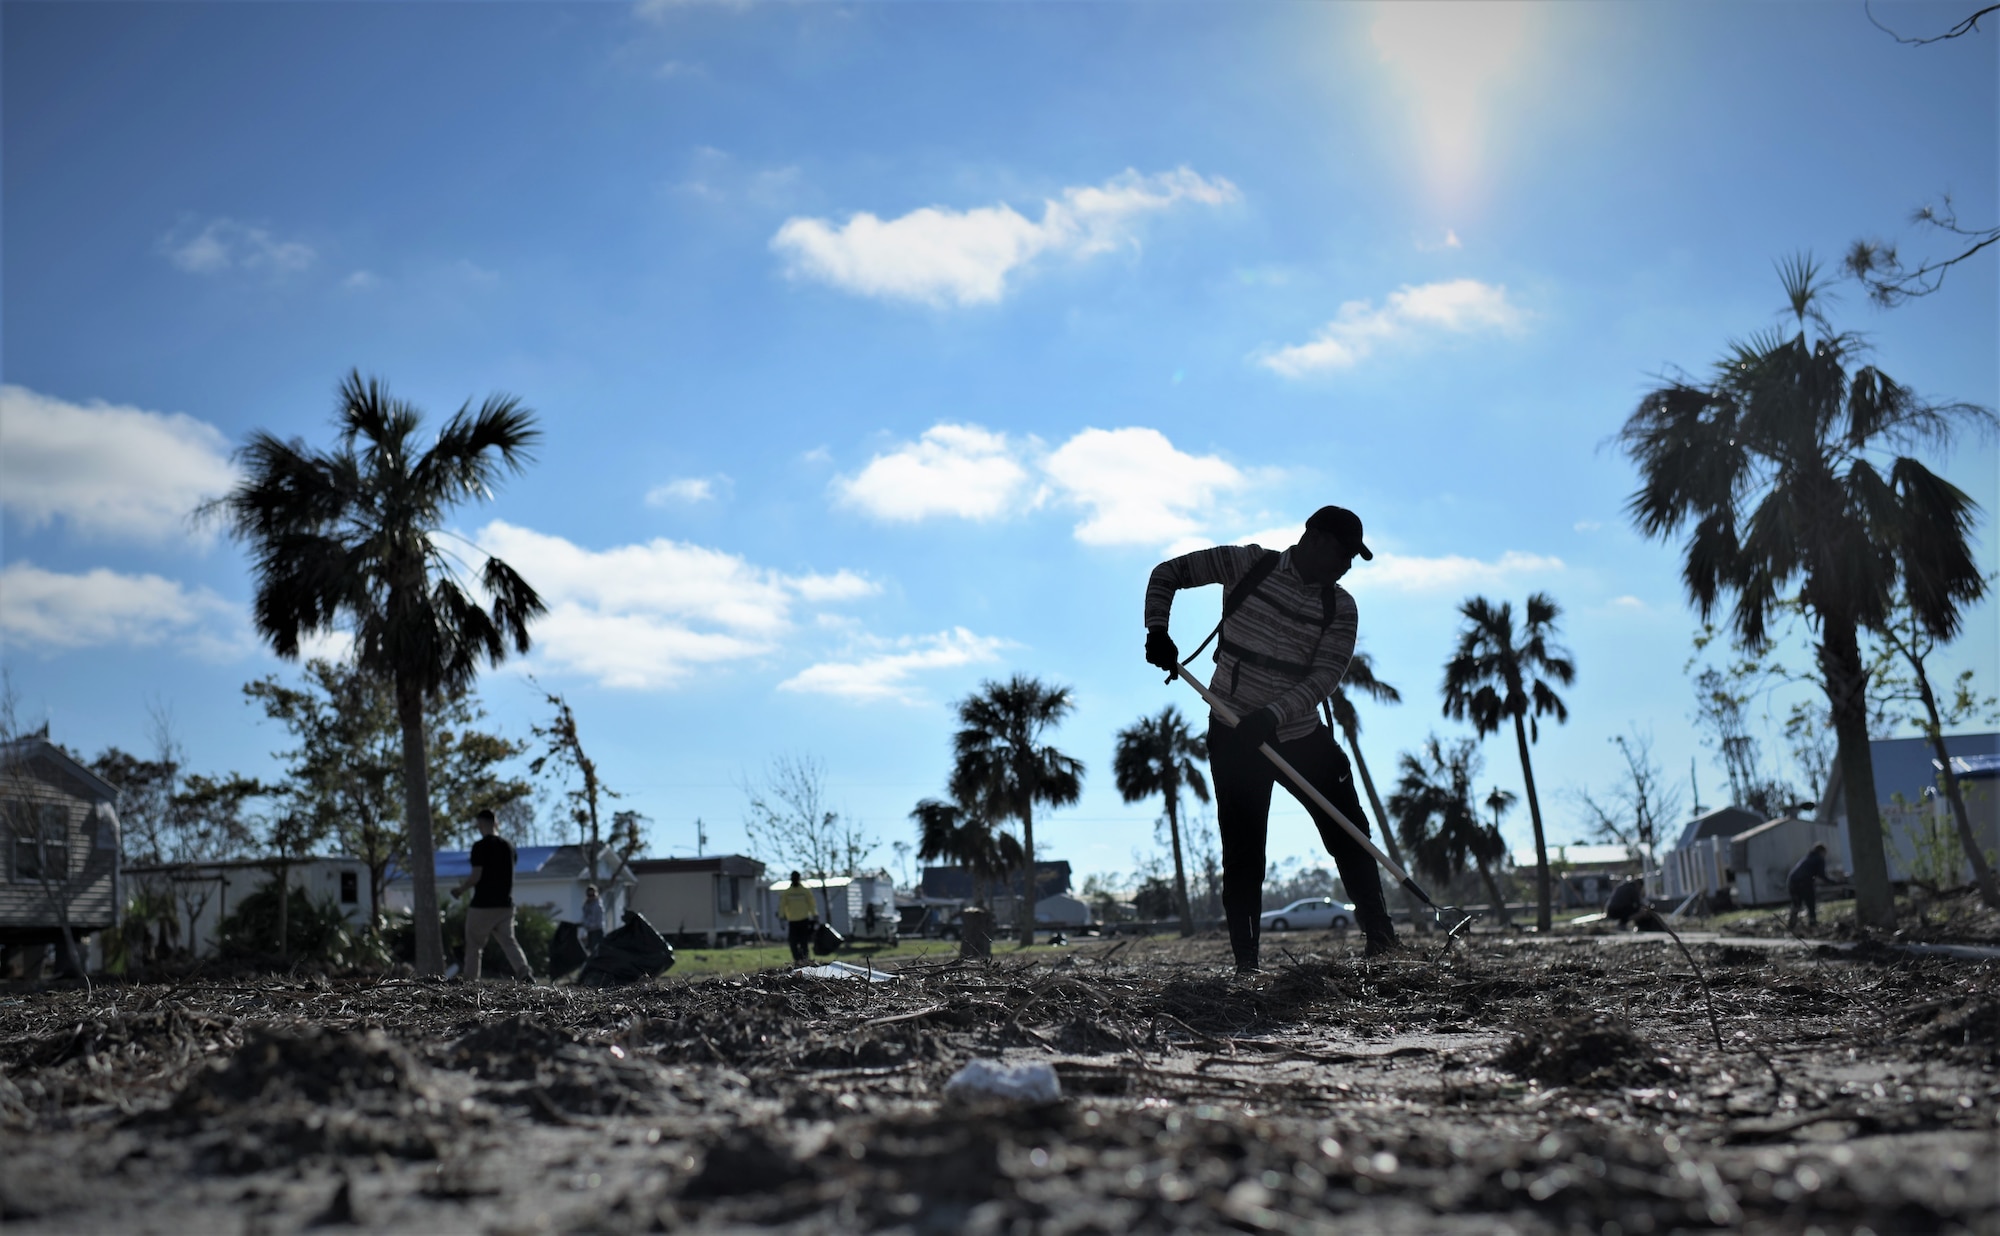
x: 1258, y: 728
x: 1160, y: 649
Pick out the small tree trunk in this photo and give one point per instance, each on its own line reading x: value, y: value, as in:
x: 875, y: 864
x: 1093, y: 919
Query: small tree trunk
x: 1846, y: 692
x: 1982, y: 871
x: 1027, y: 913
x: 284, y: 910
x: 1544, y: 918
x: 1419, y: 917
x: 1180, y: 868
x: 1493, y: 891
x: 417, y: 814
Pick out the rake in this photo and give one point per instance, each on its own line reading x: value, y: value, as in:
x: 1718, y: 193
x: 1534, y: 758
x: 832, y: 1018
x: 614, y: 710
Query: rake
x: 1463, y: 918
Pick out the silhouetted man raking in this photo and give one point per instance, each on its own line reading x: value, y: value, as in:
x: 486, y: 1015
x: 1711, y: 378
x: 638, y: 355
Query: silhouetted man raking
x: 1286, y: 636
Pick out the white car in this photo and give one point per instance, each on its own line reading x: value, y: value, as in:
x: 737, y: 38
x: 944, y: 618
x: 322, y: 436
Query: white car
x: 1307, y: 913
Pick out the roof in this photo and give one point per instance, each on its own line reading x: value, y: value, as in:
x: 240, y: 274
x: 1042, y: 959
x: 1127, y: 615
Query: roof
x: 1721, y: 822
x: 1973, y: 767
x: 956, y: 883
x: 1581, y: 856
x: 237, y: 864
x: 880, y: 877
x: 1768, y: 825
x: 1908, y: 766
x: 720, y: 864
x: 539, y: 862
x: 28, y: 750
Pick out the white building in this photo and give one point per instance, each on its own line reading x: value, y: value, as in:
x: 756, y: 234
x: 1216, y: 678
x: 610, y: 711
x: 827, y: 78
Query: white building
x: 204, y: 894
x: 1916, y: 818
x: 716, y: 898
x: 1762, y: 858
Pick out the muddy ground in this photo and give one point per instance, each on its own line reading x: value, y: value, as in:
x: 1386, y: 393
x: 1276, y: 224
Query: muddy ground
x: 1566, y: 1086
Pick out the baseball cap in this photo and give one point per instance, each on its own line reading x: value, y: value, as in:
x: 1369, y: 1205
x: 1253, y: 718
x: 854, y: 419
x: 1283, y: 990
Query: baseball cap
x: 1342, y: 525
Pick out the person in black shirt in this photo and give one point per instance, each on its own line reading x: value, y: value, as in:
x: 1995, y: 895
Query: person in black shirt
x: 492, y: 910
x: 1802, y: 885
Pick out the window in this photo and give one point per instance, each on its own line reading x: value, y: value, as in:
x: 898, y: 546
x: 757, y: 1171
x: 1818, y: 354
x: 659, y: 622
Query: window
x: 350, y: 887
x: 730, y: 894
x: 41, y: 837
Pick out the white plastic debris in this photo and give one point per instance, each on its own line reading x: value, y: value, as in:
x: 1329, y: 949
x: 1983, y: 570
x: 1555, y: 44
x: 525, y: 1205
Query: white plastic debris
x: 846, y: 970
x: 1031, y: 1081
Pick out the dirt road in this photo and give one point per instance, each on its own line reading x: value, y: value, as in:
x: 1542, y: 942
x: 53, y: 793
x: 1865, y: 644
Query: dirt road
x: 1518, y: 1088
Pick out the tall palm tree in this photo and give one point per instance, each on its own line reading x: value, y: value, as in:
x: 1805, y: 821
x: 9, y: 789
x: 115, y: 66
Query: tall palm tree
x: 350, y: 537
x: 1499, y: 802
x: 1002, y: 764
x: 1361, y: 677
x: 1783, y: 465
x: 1434, y: 812
x: 1159, y: 755
x: 1495, y: 676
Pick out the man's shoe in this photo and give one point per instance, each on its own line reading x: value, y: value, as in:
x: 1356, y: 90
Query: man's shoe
x: 1248, y: 971
x: 1379, y: 945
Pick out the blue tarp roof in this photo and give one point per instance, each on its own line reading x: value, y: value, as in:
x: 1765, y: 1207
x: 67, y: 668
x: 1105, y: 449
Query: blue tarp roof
x: 457, y: 864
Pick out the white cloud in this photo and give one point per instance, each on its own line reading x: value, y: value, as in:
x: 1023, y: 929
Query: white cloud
x: 958, y: 470
x: 1453, y: 307
x: 48, y: 612
x: 224, y: 245
x: 885, y: 675
x: 686, y: 489
x: 1408, y: 573
x: 1627, y: 602
x: 937, y: 255
x: 1138, y: 489
x: 361, y: 281
x: 106, y: 469
x: 646, y: 616
x: 1588, y: 525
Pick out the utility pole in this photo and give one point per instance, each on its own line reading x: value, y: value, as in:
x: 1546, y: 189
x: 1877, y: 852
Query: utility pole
x: 700, y: 837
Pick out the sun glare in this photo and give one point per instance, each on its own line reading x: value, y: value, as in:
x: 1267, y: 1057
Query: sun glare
x: 1450, y: 56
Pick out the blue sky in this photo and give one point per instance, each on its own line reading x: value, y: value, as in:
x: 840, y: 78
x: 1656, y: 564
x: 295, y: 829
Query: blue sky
x: 884, y: 348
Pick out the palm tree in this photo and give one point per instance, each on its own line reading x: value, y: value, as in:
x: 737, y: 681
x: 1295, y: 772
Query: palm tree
x: 1783, y: 466
x: 1493, y: 677
x: 1499, y: 802
x: 1002, y: 766
x: 1361, y: 677
x: 1157, y: 755
x: 349, y: 537
x: 1434, y: 812
x: 954, y: 833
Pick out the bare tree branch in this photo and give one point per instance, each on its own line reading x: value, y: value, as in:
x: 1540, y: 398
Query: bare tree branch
x: 1969, y: 26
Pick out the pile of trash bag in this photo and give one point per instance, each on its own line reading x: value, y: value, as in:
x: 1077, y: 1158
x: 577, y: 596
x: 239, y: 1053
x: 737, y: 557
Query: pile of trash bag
x: 631, y: 954
x: 827, y: 941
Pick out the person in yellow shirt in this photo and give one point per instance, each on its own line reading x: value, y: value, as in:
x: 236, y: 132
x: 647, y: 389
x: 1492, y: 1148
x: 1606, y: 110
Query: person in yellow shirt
x: 801, y: 913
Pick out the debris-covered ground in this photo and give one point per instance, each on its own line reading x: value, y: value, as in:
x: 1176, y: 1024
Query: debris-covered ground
x: 1567, y: 1086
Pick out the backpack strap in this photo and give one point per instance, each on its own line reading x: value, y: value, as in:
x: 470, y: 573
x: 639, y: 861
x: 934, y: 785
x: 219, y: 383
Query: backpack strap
x: 1232, y: 600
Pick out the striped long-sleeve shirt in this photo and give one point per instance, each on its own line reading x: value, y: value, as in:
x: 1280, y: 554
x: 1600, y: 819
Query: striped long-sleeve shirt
x: 1280, y: 621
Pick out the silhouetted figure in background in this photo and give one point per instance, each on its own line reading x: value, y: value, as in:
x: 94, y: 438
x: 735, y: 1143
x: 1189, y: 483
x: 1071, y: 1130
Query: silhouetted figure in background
x: 1803, y: 884
x: 797, y: 908
x: 593, y: 918
x: 1286, y: 637
x: 1628, y: 907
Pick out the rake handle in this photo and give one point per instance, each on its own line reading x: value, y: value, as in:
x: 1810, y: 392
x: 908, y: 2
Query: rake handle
x: 1305, y: 787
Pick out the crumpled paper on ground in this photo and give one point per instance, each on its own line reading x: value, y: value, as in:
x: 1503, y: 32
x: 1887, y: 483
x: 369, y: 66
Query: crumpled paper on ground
x: 1031, y: 1081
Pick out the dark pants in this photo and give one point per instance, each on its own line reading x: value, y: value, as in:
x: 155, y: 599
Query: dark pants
x: 1805, y: 893
x: 1243, y: 779
x: 593, y: 938
x: 800, y: 936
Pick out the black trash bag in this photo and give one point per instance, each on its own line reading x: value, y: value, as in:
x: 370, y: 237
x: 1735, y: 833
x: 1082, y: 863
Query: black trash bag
x: 631, y: 954
x: 827, y: 941
x: 566, y: 951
